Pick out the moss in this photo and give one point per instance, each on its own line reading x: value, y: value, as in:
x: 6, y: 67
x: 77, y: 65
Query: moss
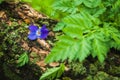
x: 78, y: 68
x: 1, y: 54
x: 104, y: 76
x: 66, y: 78
x: 10, y: 74
x: 101, y: 76
x: 114, y: 70
x: 10, y: 36
x: 93, y: 69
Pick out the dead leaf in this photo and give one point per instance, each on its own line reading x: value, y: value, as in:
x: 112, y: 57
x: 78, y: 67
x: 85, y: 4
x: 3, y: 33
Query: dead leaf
x: 34, y: 50
x: 9, y: 23
x: 27, y: 21
x: 54, y: 64
x: 52, y: 34
x: 3, y: 15
x: 41, y: 63
x: 43, y: 52
x: 43, y: 68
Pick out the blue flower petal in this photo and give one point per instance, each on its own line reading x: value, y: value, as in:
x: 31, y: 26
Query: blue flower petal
x: 32, y: 36
x: 44, y: 32
x: 33, y: 28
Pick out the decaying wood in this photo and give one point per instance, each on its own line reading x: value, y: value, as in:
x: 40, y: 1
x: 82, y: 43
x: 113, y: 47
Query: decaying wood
x: 41, y: 63
x: 44, y: 44
x: 24, y: 45
x: 28, y: 14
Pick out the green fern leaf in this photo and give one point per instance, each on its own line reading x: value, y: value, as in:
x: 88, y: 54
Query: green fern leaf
x: 74, y: 32
x: 99, y: 49
x: 53, y: 73
x: 84, y: 47
x: 113, y: 34
x: 116, y: 42
x: 77, y: 2
x: 65, y: 6
x: 82, y: 20
x: 92, y: 3
x: 73, y: 45
x: 61, y: 47
x: 69, y: 48
x: 23, y: 59
x: 59, y: 26
x: 115, y: 45
x: 83, y: 35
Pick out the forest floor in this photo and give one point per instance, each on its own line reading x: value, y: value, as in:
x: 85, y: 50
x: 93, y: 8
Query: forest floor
x: 22, y: 15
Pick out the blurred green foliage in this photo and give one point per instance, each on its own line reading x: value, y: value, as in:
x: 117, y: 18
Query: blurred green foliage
x: 1, y: 1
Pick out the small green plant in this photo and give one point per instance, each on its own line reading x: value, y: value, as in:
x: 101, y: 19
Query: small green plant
x: 53, y: 73
x: 23, y: 59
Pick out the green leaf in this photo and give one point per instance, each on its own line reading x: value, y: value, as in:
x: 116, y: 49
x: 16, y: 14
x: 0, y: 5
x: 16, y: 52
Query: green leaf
x: 26, y: 0
x: 61, y: 48
x: 92, y: 3
x: 76, y: 43
x: 63, y: 6
x: 74, y: 32
x: 69, y: 48
x: 99, y: 49
x: 99, y: 12
x: 83, y: 21
x: 59, y: 26
x: 84, y: 50
x: 90, y: 30
x: 53, y: 73
x: 23, y: 59
x: 77, y: 2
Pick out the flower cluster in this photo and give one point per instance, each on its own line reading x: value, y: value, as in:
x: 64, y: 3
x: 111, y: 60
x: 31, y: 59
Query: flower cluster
x: 36, y: 32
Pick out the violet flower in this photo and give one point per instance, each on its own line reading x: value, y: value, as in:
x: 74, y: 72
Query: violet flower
x: 36, y: 32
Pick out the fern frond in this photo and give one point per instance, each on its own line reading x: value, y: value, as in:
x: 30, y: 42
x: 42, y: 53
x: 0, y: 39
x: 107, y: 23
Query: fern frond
x: 100, y: 49
x: 78, y: 20
x: 59, y: 26
x: 116, y: 38
x: 23, y: 59
x: 84, y: 35
x: 66, y: 6
x: 74, y: 32
x: 113, y: 34
x: 70, y: 49
x: 76, y: 43
x: 84, y: 48
x: 63, y: 45
x: 53, y: 73
x: 91, y: 3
